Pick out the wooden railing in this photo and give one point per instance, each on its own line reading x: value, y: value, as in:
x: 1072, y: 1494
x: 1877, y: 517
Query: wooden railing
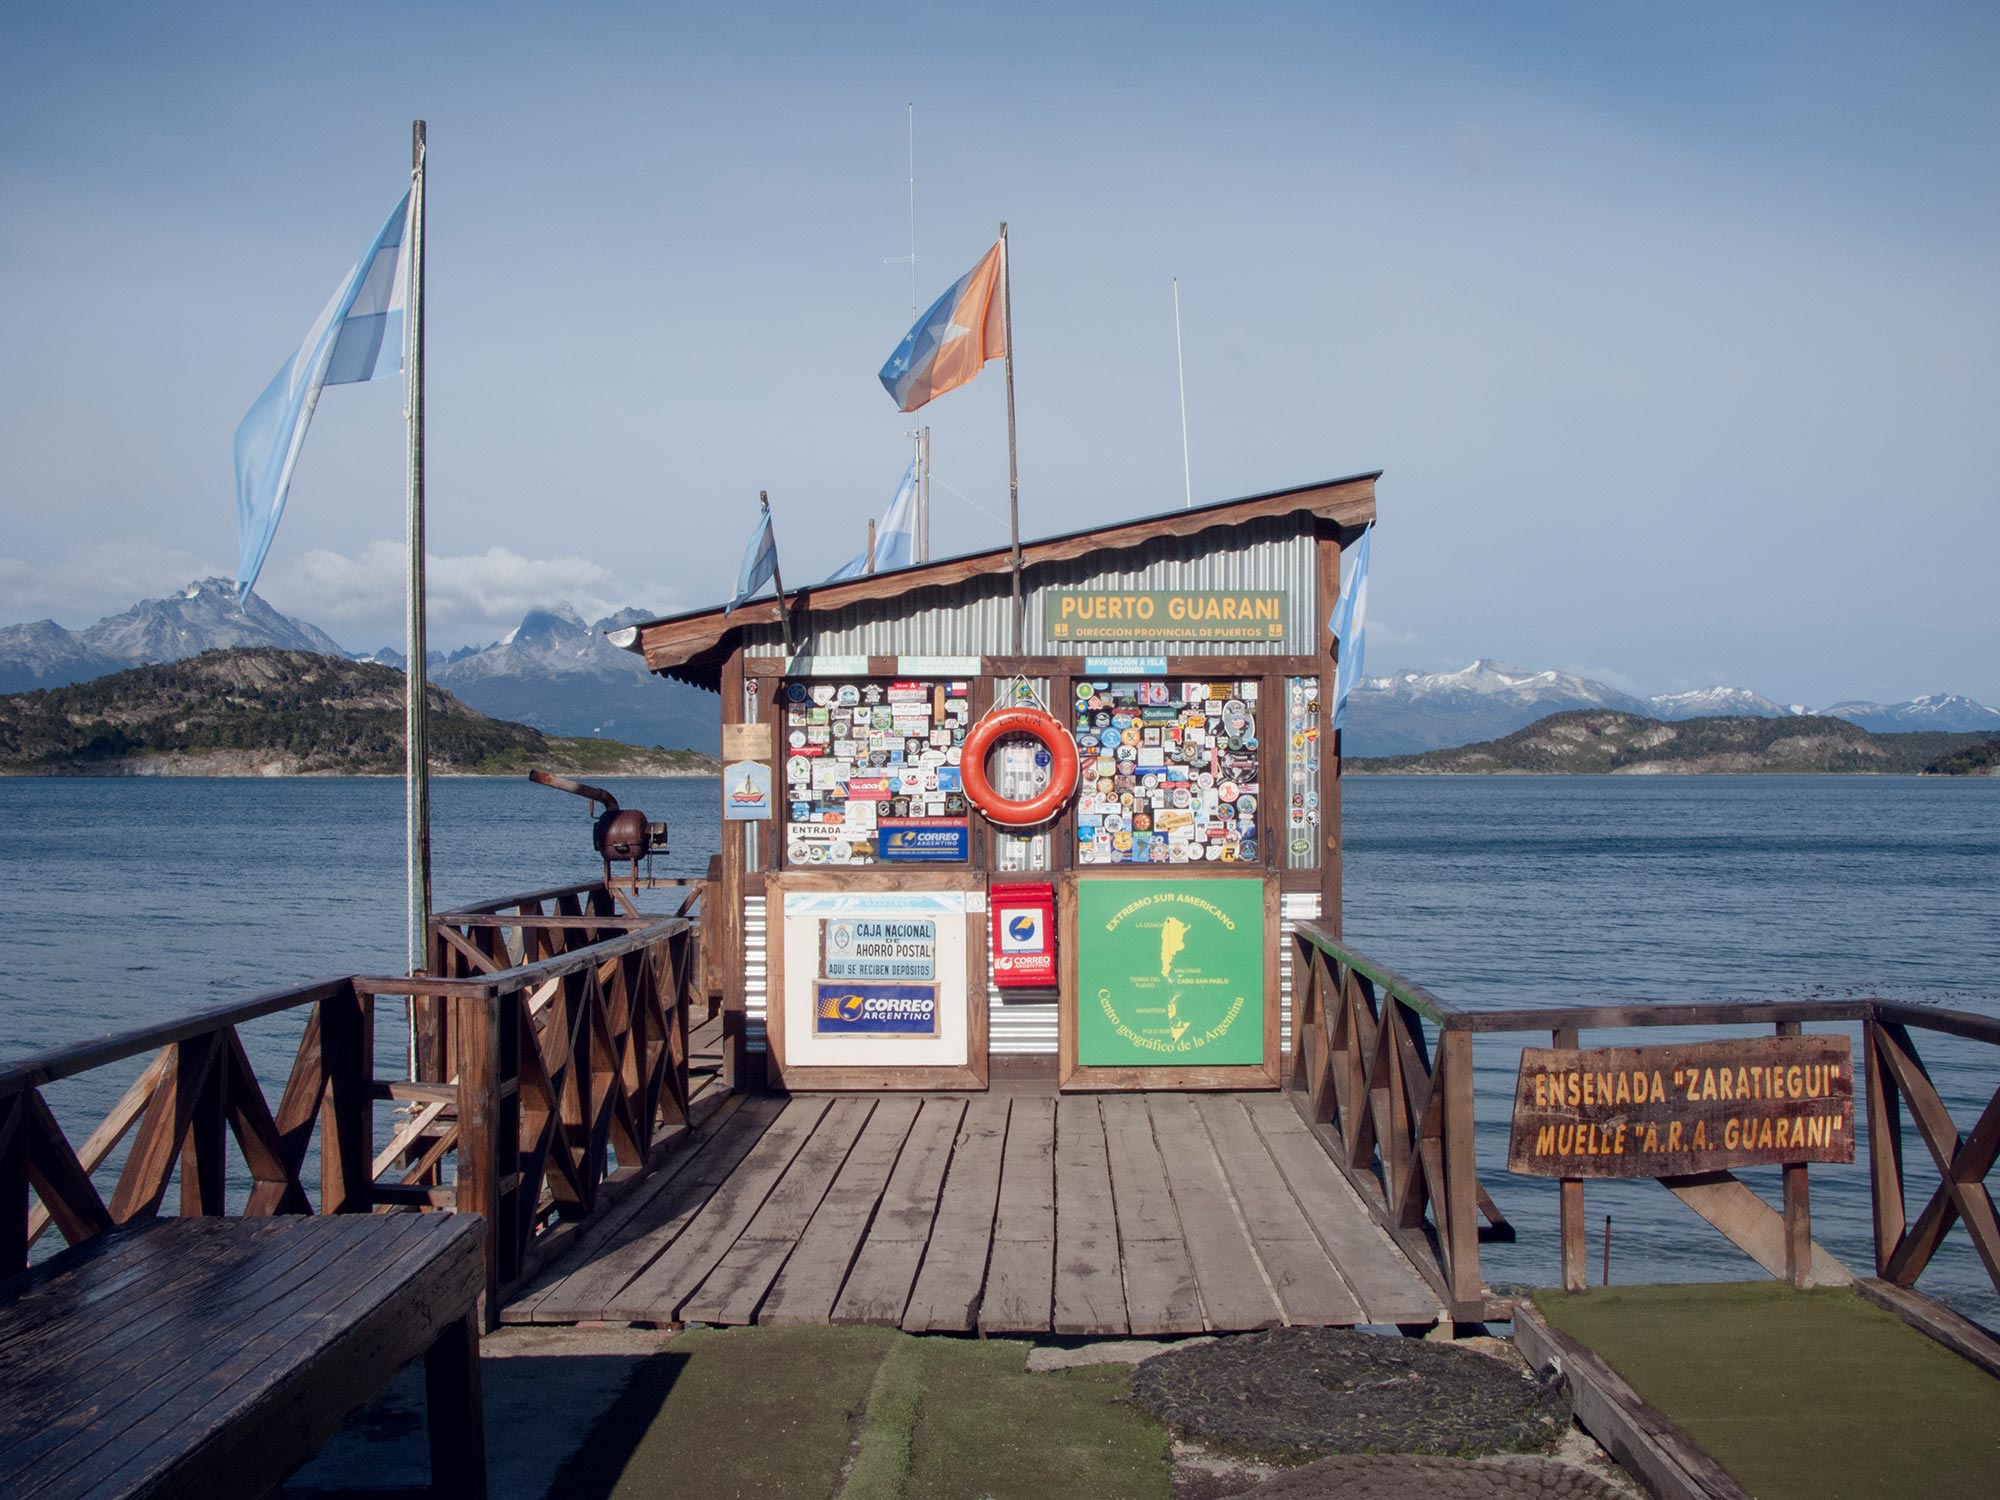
x: 557, y: 1076
x: 1399, y: 1119
x: 1397, y: 1114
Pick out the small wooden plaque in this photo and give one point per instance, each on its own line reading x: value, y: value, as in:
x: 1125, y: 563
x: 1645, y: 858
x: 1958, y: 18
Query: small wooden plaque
x: 747, y: 741
x: 1671, y: 1111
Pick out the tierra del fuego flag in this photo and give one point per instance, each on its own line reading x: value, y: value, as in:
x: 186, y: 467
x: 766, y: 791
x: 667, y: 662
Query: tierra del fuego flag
x: 963, y: 329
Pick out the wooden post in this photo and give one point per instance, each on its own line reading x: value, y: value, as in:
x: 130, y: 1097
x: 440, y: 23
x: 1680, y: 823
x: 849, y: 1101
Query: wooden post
x: 476, y: 1038
x: 202, y: 1167
x: 457, y: 1416
x: 1798, y: 1207
x: 727, y: 909
x: 1461, y: 1169
x: 1575, y: 1247
x: 346, y: 1134
x: 13, y: 1184
x: 1885, y: 1150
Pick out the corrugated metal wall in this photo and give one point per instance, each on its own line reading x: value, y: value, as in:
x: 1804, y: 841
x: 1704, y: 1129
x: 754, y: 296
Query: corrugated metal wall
x: 974, y: 619
x: 1023, y: 1030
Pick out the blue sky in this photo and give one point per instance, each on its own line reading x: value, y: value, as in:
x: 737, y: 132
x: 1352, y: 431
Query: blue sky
x: 1673, y: 329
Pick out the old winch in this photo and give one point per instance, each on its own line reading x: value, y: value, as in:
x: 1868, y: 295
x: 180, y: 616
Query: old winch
x: 619, y: 833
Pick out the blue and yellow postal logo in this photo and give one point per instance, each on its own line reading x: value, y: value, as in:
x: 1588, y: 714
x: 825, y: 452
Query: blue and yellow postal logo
x: 855, y: 1008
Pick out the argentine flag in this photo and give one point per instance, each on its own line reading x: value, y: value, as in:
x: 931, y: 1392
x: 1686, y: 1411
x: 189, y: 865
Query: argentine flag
x: 895, y: 538
x: 1348, y: 622
x: 760, y: 562
x: 358, y: 336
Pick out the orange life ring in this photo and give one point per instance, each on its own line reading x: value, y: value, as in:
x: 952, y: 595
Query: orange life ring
x: 1062, y: 767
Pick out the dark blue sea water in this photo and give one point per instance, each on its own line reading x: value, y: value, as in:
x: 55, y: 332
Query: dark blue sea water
x: 133, y: 900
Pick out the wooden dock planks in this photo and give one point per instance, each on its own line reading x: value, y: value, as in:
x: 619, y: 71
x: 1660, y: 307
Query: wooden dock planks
x: 734, y: 1290
x: 878, y: 1288
x: 946, y: 1296
x: 1160, y: 1292
x: 655, y: 1295
x: 654, y: 1221
x: 1083, y: 1215
x: 1234, y: 1293
x: 1387, y: 1287
x: 1020, y: 1276
x: 1309, y: 1288
x: 811, y: 1280
x: 1089, y: 1284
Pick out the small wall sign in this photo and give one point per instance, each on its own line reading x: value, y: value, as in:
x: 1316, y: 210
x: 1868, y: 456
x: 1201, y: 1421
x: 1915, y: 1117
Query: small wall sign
x: 1164, y: 614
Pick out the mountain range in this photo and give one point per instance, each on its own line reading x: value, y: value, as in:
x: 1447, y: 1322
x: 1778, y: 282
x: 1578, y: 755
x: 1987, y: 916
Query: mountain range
x: 1407, y: 713
x: 1603, y: 742
x: 553, y: 672
x: 556, y: 672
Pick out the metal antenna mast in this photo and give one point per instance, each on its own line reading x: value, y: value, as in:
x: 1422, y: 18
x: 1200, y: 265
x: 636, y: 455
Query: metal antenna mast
x: 1180, y: 360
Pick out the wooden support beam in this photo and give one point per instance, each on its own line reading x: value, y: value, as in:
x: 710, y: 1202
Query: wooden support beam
x: 1750, y: 1223
x: 1575, y: 1246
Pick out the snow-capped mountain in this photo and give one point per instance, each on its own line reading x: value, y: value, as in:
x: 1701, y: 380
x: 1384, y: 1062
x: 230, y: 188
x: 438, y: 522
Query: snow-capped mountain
x: 44, y: 655
x: 1407, y: 712
x: 559, y: 674
x: 1941, y: 711
x: 204, y: 616
x: 1720, y: 702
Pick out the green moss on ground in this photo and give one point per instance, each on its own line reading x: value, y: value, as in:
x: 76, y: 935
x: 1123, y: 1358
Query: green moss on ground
x: 989, y: 1428
x: 867, y: 1414
x: 1815, y: 1395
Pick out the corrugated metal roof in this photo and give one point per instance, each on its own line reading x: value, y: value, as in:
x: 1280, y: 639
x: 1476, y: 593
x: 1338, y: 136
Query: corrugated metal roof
x: 1225, y: 545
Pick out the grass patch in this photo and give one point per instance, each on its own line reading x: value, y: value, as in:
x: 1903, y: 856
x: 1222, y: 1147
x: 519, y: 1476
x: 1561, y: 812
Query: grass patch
x: 760, y: 1414
x: 888, y: 1433
x: 775, y: 1413
x: 989, y: 1428
x: 1816, y: 1395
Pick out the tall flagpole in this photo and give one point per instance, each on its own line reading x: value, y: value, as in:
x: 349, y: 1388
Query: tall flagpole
x: 924, y: 493
x: 416, y: 757
x: 1180, y: 362
x: 1013, y: 467
x: 922, y: 547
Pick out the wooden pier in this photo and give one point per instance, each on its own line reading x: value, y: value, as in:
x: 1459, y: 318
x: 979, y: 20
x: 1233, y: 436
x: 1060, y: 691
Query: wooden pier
x: 1146, y: 1215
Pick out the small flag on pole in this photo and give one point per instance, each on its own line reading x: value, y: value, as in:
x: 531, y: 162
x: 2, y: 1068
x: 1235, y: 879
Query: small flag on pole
x: 950, y: 343
x: 894, y: 539
x: 358, y: 336
x: 760, y: 561
x: 1348, y: 623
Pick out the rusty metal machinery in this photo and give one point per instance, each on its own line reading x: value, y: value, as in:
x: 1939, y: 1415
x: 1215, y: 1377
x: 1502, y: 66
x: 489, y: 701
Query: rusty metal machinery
x: 619, y: 834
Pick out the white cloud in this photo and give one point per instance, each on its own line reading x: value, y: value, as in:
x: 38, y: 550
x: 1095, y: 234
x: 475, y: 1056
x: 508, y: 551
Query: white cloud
x: 358, y: 600
x: 473, y: 599
x: 97, y: 579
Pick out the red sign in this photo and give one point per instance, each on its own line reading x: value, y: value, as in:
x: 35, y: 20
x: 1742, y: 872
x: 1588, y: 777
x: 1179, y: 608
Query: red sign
x: 1024, y: 936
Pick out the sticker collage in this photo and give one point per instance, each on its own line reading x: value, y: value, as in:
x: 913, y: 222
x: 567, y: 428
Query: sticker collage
x: 1169, y: 772
x: 871, y: 772
x: 1302, y: 813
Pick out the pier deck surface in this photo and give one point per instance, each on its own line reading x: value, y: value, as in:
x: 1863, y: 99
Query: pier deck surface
x: 1091, y: 1215
x: 1816, y: 1395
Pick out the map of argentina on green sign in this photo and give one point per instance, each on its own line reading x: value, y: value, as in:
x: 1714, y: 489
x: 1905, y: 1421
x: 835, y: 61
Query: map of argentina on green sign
x: 1169, y: 973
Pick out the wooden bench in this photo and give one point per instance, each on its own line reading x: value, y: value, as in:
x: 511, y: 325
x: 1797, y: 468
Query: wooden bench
x: 208, y: 1356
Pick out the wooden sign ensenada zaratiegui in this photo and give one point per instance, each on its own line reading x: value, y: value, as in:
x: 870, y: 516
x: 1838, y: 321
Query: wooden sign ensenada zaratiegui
x: 1671, y: 1111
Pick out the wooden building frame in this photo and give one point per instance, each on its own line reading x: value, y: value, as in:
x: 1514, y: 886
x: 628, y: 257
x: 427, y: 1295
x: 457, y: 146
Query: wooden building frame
x: 738, y: 655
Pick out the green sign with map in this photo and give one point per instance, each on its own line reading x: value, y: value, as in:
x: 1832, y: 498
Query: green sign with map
x: 1169, y: 973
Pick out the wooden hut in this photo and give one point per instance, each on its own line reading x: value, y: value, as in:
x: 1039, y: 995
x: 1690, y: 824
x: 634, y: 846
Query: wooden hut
x: 879, y: 930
